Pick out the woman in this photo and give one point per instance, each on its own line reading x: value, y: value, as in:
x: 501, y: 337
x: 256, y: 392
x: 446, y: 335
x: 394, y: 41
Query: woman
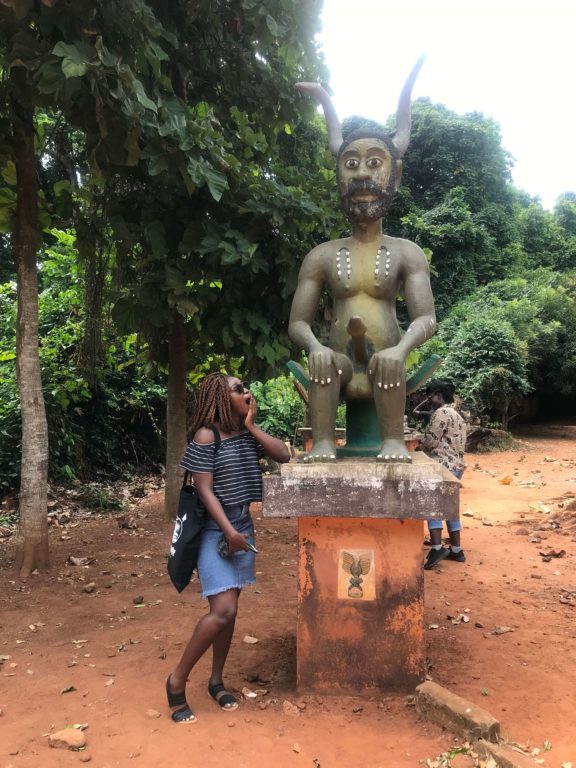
x: 227, y: 476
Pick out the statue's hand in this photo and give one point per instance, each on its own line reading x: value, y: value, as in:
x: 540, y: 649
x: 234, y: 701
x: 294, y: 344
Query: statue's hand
x: 322, y: 366
x: 387, y: 368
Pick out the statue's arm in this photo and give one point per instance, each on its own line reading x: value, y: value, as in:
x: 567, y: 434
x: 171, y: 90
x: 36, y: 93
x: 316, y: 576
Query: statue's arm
x: 419, y: 301
x: 305, y: 303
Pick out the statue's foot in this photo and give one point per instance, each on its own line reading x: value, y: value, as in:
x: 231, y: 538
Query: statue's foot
x: 394, y: 452
x: 322, y: 452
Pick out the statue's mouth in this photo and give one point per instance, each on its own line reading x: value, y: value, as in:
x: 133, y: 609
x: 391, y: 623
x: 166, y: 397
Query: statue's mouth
x: 364, y: 198
x: 363, y: 191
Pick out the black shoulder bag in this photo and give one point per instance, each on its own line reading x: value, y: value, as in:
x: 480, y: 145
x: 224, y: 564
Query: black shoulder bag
x: 190, y: 520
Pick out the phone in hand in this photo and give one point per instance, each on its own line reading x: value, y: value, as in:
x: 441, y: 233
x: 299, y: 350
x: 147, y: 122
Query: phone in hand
x: 224, y: 547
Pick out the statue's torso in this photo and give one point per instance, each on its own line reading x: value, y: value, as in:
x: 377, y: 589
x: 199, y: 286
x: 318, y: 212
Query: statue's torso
x: 364, y: 294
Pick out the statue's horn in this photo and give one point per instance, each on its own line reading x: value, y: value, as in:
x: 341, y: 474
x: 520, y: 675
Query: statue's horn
x: 403, y: 118
x: 332, y: 122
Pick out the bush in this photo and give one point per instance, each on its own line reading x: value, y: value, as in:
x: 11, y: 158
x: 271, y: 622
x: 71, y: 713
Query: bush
x: 281, y: 410
x: 487, y: 364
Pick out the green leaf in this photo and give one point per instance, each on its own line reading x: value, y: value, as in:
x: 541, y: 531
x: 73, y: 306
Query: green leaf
x: 75, y: 58
x: 272, y: 25
x: 107, y: 58
x: 142, y: 97
x: 9, y: 173
x: 158, y: 52
x: 61, y: 187
x: 216, y: 181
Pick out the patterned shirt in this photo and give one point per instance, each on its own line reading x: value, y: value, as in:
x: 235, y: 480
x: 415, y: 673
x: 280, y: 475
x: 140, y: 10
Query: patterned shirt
x: 445, y: 438
x: 237, y: 477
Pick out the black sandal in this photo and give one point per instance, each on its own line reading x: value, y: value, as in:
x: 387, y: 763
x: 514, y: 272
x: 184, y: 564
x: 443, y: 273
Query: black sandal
x: 184, y: 714
x: 226, y: 701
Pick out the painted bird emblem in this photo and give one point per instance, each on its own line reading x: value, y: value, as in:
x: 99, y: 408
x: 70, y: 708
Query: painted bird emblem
x: 356, y: 567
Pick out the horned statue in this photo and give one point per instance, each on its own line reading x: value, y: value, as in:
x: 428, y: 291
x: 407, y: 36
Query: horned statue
x: 365, y: 360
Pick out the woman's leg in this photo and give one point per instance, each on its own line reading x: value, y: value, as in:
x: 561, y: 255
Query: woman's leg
x: 219, y: 621
x: 221, y: 644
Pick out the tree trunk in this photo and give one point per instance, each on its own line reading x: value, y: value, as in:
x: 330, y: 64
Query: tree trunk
x: 93, y: 264
x: 32, y: 539
x: 505, y: 407
x: 176, y: 430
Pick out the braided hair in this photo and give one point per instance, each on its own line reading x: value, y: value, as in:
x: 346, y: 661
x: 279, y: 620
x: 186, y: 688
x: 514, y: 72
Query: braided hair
x: 212, y: 403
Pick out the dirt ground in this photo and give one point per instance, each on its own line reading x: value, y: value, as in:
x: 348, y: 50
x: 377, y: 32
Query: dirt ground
x: 93, y: 644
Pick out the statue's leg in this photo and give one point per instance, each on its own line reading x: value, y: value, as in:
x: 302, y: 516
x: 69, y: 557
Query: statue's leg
x: 390, y: 404
x: 323, y: 402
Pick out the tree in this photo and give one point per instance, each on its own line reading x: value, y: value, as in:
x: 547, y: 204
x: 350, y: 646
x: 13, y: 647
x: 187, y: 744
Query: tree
x: 211, y: 258
x: 540, y: 313
x: 159, y: 122
x: 487, y: 363
x: 88, y: 61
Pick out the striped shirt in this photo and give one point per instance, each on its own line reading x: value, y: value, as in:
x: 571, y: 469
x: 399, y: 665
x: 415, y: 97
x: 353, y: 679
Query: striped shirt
x: 237, y: 477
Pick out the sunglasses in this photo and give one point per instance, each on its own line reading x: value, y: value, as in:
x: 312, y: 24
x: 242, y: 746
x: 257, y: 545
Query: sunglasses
x: 239, y: 389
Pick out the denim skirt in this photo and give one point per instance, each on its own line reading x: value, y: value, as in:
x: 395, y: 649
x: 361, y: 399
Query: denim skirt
x: 218, y: 574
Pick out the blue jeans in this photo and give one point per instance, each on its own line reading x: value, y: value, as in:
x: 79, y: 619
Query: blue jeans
x: 452, y: 525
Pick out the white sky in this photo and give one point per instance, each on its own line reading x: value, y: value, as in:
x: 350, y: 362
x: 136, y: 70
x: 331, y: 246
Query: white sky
x: 512, y: 60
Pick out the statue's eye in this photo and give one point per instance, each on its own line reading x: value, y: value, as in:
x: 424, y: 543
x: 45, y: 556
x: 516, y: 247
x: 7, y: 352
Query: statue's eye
x: 352, y: 163
x: 374, y: 162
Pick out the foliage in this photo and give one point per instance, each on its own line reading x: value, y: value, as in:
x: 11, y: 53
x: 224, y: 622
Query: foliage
x: 487, y: 363
x: 181, y: 172
x: 93, y: 430
x: 281, y: 410
x: 541, y: 310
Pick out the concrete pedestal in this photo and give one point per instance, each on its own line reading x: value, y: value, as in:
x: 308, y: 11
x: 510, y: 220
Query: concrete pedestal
x: 360, y: 578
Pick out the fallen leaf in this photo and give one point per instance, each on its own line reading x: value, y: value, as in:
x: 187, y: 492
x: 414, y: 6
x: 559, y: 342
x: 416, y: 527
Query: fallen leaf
x: 508, y: 480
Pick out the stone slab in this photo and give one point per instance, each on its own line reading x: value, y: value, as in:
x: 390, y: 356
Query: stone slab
x: 445, y: 708
x: 363, y: 487
x: 504, y: 755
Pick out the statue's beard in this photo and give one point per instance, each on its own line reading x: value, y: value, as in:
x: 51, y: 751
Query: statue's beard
x: 366, y: 211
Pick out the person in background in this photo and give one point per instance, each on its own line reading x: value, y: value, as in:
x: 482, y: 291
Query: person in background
x: 227, y: 477
x: 444, y: 441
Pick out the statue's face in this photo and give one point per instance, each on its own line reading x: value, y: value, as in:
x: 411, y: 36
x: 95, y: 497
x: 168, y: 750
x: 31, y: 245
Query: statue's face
x: 366, y: 179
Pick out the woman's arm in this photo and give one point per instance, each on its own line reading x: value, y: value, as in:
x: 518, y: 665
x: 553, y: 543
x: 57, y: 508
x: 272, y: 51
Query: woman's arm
x: 273, y: 447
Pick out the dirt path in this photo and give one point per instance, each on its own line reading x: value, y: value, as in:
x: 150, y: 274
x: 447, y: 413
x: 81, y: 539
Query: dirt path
x: 115, y: 655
